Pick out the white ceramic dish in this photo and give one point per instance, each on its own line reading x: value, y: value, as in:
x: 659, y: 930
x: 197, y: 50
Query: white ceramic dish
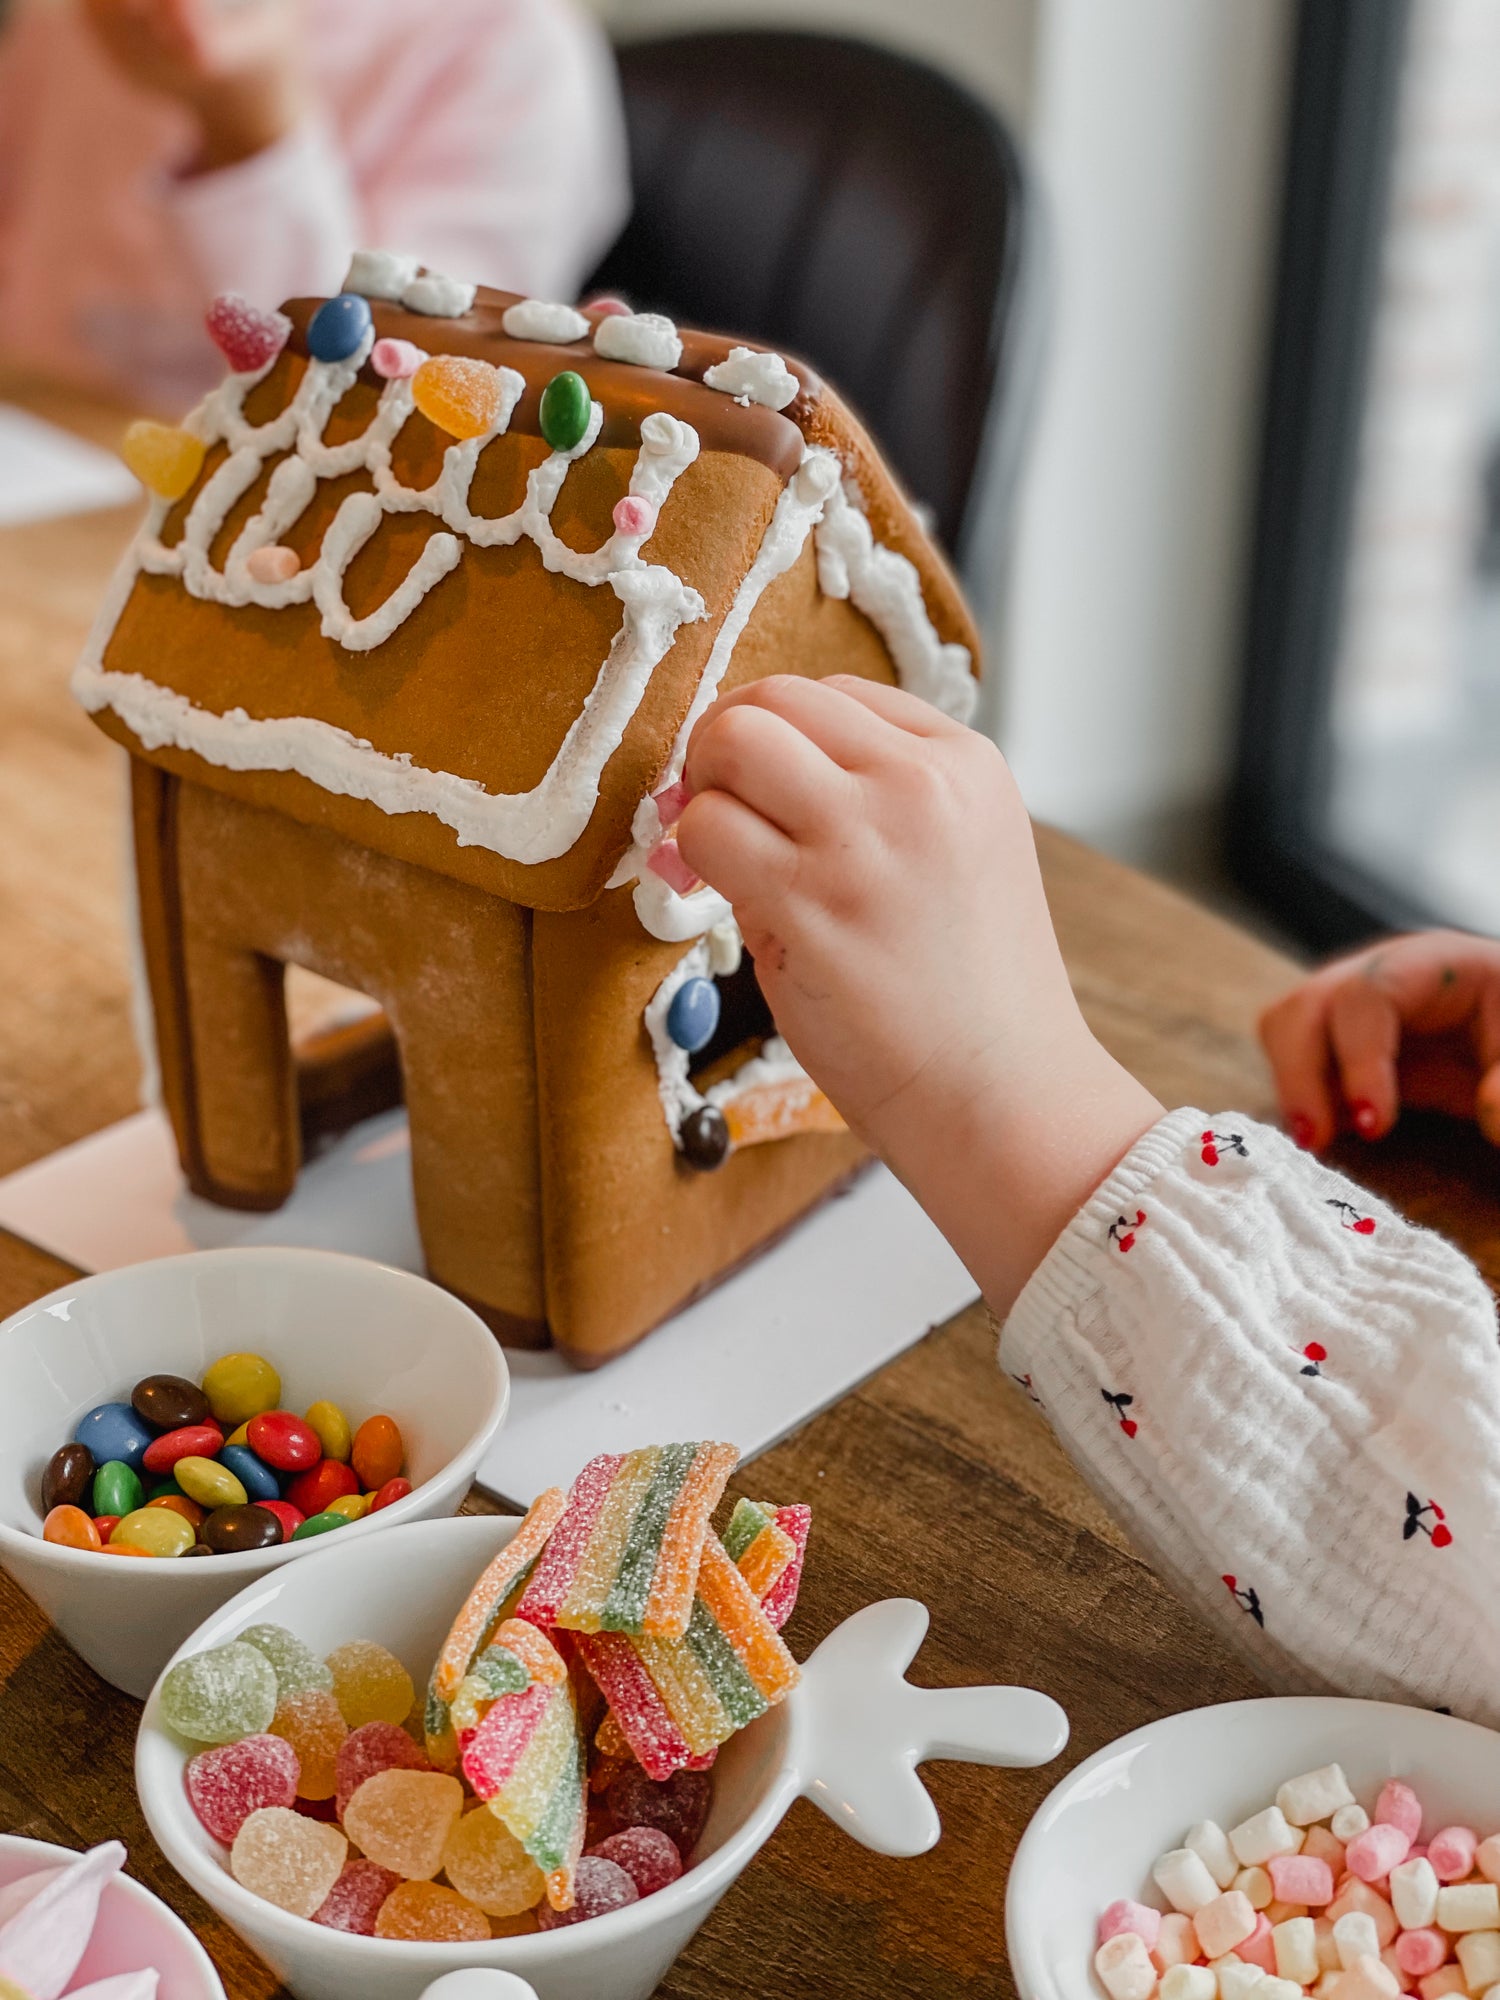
x: 366, y: 1337
x: 134, y: 1928
x: 1096, y: 1835
x: 850, y: 1738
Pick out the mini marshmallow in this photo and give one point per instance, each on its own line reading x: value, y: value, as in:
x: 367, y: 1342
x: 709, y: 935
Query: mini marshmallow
x: 1315, y: 1795
x: 1452, y: 1852
x: 438, y: 297
x: 1471, y: 1906
x: 1447, y: 1979
x: 1188, y: 1982
x: 1301, y: 1878
x: 1423, y: 1950
x: 1256, y: 1884
x: 1487, y: 1858
x: 1393, y: 1966
x: 1259, y: 1948
x: 1347, y: 1822
x: 1327, y: 1984
x: 1478, y: 1952
x: 1328, y: 1951
x: 380, y: 274
x: 1356, y: 1937
x: 1276, y: 1912
x: 645, y: 340
x: 1176, y: 1942
x: 1320, y: 1845
x: 1296, y: 1946
x: 1184, y: 1881
x: 1125, y: 1971
x: 1398, y: 1805
x: 1210, y: 1843
x: 1138, y: 1918
x: 1224, y: 1924
x: 1367, y: 1979
x: 1357, y: 1895
x: 544, y: 319
x: 1372, y: 1855
x: 1278, y: 1989
x: 1264, y: 1834
x: 1414, y: 1894
x: 1237, y: 1979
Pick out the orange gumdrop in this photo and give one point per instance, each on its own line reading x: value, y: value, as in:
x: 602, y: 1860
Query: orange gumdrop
x: 378, y: 1452
x: 460, y: 395
x: 71, y: 1528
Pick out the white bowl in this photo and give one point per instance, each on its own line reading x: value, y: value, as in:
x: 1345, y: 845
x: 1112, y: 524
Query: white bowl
x: 1095, y: 1836
x: 134, y: 1928
x: 363, y: 1336
x: 850, y: 1738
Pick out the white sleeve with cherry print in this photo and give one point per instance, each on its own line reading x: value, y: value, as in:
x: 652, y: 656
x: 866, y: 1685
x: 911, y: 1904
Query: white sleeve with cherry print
x: 1291, y: 1399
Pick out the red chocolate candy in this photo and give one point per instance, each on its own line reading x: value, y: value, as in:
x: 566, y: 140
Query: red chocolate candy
x: 193, y: 1441
x: 393, y: 1490
x: 314, y: 1492
x: 290, y: 1517
x: 285, y: 1442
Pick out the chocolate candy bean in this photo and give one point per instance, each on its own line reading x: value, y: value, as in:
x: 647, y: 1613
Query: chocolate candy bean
x: 196, y: 1441
x: 209, y: 1484
x: 68, y: 1475
x: 311, y: 1492
x: 338, y: 326
x: 116, y: 1489
x: 392, y: 1491
x: 169, y: 1402
x: 114, y: 1431
x: 240, y: 1386
x: 257, y: 1478
x: 288, y: 1443
x: 230, y: 1531
x: 705, y: 1137
x: 332, y: 1427
x: 156, y: 1530
x: 378, y: 1453
x: 693, y: 1016
x: 319, y: 1524
x: 70, y: 1528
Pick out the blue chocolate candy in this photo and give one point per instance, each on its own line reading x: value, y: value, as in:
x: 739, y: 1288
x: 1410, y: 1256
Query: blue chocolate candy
x: 337, y: 327
x: 257, y: 1478
x: 694, y: 1014
x: 114, y: 1431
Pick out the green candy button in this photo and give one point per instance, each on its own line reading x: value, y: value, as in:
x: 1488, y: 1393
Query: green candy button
x: 565, y: 410
x: 319, y: 1524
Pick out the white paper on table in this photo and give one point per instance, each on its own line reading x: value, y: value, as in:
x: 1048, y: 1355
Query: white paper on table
x: 45, y: 472
x: 853, y: 1285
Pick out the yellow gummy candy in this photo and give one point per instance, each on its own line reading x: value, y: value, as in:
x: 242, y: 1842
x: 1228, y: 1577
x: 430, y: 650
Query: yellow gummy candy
x: 461, y: 396
x: 163, y: 458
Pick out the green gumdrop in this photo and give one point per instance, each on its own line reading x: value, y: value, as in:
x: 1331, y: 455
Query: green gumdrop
x: 117, y: 1490
x: 296, y: 1666
x: 319, y: 1524
x: 565, y: 410
x: 221, y: 1695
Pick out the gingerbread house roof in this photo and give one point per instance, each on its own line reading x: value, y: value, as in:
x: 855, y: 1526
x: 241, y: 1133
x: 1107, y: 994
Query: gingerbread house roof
x: 463, y: 650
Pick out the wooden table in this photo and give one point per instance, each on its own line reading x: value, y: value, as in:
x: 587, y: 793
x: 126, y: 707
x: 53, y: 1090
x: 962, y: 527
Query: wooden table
x: 936, y: 1479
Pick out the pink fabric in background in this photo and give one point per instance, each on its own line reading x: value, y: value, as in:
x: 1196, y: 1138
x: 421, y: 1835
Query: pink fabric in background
x: 485, y: 136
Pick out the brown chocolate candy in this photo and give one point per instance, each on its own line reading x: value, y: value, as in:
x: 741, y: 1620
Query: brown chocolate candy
x: 68, y: 1475
x: 170, y: 1402
x: 705, y: 1137
x: 230, y: 1531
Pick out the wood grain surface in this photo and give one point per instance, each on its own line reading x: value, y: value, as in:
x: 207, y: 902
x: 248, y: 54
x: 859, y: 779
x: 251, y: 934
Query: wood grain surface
x: 935, y: 1479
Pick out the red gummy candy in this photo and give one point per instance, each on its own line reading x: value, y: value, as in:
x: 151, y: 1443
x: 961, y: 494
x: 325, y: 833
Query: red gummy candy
x: 315, y: 1808
x: 353, y: 1903
x: 373, y: 1747
x: 648, y: 1857
x: 226, y: 1785
x: 315, y: 1492
x: 599, y: 1886
x: 246, y: 337
x: 285, y: 1442
x: 678, y: 1807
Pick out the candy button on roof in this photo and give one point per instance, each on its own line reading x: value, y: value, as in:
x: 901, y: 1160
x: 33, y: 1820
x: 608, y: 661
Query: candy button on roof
x: 693, y: 1017
x: 565, y: 409
x: 338, y: 328
x: 705, y: 1137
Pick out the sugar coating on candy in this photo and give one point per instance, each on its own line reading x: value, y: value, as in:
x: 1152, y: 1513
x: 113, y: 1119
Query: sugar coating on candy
x: 225, y: 1785
x: 484, y: 1861
x: 295, y: 1664
x: 247, y: 337
x: 651, y: 1860
x: 287, y: 1859
x: 758, y: 1546
x: 402, y: 1819
x: 221, y: 1695
x: 356, y: 1898
x: 483, y: 1609
x: 373, y: 1747
x: 370, y: 1684
x: 310, y: 1721
x: 460, y: 395
x: 599, y: 1886
x: 426, y: 1913
x: 678, y: 1807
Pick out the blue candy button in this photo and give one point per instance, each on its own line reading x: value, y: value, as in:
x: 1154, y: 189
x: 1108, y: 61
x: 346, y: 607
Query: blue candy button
x: 337, y: 327
x: 114, y: 1431
x: 694, y: 1014
x: 257, y: 1478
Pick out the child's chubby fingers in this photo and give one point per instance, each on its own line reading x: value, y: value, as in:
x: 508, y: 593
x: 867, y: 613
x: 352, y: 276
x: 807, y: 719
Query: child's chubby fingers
x: 1294, y: 1034
x: 752, y: 753
x: 1364, y: 1032
x: 896, y: 706
x: 743, y: 856
x: 853, y: 734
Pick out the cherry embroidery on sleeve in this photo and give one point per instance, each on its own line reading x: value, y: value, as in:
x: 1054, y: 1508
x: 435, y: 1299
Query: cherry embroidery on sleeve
x: 1024, y: 1383
x: 1313, y: 1357
x: 1437, y: 1530
x: 1120, y: 1404
x: 1122, y: 1231
x: 1351, y: 1218
x: 1216, y: 1144
x: 1247, y: 1599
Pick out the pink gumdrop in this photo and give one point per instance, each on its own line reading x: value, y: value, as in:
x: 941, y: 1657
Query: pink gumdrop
x: 397, y: 360
x: 274, y: 564
x: 607, y: 308
x: 1301, y: 1878
x: 368, y: 1750
x: 1127, y: 1916
x: 1372, y: 1855
x: 246, y: 337
x: 1259, y: 1948
x: 634, y: 516
x: 1398, y: 1805
x: 677, y: 1807
x: 1421, y: 1952
x: 226, y: 1785
x: 672, y: 801
x: 1452, y: 1851
x: 665, y: 860
x: 354, y: 1901
x: 599, y: 1886
x: 651, y: 1860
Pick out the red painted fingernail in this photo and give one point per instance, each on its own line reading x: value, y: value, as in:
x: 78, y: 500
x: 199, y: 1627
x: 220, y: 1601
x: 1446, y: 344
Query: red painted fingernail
x: 1301, y: 1128
x: 1366, y: 1117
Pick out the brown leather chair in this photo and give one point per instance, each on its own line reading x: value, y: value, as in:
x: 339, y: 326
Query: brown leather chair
x: 854, y: 207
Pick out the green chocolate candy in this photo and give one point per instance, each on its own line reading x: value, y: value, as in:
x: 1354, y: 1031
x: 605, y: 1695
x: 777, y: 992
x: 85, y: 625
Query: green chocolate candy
x: 117, y: 1490
x: 565, y: 410
x: 319, y: 1524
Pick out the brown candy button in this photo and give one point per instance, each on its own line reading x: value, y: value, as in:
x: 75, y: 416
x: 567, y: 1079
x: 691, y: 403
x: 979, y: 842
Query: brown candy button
x: 704, y: 1137
x: 66, y: 1479
x: 170, y: 1402
x: 230, y: 1531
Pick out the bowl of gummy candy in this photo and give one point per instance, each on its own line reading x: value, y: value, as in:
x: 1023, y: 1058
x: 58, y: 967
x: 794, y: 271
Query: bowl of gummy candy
x: 218, y: 1414
x: 1267, y: 1850
x: 547, y: 1745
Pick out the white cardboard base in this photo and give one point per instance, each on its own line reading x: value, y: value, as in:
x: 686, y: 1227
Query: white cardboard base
x: 864, y: 1277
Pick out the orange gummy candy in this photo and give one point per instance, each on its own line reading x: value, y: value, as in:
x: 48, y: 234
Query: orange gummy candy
x: 165, y: 459
x: 424, y: 1913
x: 460, y: 395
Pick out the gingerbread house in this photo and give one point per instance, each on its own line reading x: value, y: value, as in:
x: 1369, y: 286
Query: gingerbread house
x: 428, y: 598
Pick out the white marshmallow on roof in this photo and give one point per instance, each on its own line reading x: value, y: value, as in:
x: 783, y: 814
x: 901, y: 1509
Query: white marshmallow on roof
x: 1188, y: 1982
x: 1124, y: 1968
x: 437, y: 296
x: 751, y: 376
x: 1208, y: 1840
x: 645, y: 340
x: 543, y: 319
x: 1314, y: 1795
x: 1414, y: 1893
x: 1469, y: 1906
x: 1264, y: 1835
x: 1348, y: 1823
x: 1184, y: 1881
x: 1356, y: 1937
x: 380, y: 274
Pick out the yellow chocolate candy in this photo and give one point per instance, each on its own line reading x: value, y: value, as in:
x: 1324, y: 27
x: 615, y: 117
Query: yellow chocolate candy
x: 158, y: 1530
x: 163, y: 458
x: 240, y: 1386
x: 353, y: 1506
x: 241, y: 1435
x: 461, y: 396
x: 332, y: 1427
x: 209, y: 1484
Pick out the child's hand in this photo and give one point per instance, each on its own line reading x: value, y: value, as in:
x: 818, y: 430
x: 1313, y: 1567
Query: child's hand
x: 1415, y: 1021
x: 881, y: 867
x: 237, y: 65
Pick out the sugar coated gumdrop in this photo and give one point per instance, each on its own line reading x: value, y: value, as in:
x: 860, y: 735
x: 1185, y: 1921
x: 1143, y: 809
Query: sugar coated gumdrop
x: 374, y: 1746
x: 649, y: 1858
x: 634, y: 516
x: 378, y: 1452
x: 246, y: 337
x: 240, y: 1386
x: 310, y: 1492
x: 114, y: 1431
x: 169, y: 1402
x: 71, y: 1528
x: 396, y: 361
x: 462, y: 396
x: 599, y: 1886
x: 288, y: 1859
x: 257, y: 1478
x: 296, y: 1666
x: 220, y: 1695
x: 355, y: 1900
x: 157, y: 1530
x: 164, y: 1453
x: 402, y: 1819
x: 338, y: 327
x: 232, y: 1531
x: 485, y: 1862
x: 678, y: 1807
x: 332, y: 1427
x: 693, y: 1015
x: 163, y: 457
x: 311, y: 1723
x: 423, y: 1913
x: 68, y: 1477
x: 226, y: 1785
x: 117, y: 1489
x: 370, y: 1683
